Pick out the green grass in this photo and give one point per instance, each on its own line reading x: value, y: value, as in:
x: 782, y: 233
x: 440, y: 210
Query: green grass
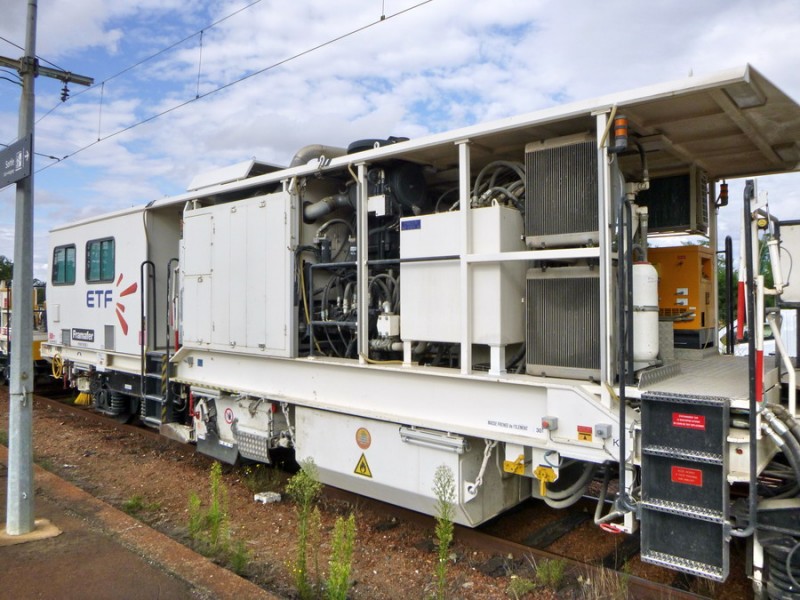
x: 136, y: 504
x: 550, y: 573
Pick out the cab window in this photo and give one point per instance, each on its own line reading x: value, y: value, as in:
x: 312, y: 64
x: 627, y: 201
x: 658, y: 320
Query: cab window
x: 100, y: 260
x: 64, y: 265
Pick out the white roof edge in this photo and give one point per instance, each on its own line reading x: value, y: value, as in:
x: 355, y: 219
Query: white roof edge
x: 741, y: 74
x: 103, y: 217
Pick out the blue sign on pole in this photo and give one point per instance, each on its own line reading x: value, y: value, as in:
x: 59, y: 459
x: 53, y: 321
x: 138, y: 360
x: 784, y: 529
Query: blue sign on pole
x: 15, y: 161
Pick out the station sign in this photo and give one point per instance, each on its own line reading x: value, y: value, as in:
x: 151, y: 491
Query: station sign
x: 15, y: 161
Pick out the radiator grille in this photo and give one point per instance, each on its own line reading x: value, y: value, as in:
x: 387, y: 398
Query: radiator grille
x: 563, y: 337
x: 561, y: 195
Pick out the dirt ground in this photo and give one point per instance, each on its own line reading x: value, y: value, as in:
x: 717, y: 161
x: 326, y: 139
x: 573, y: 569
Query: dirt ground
x: 153, y: 478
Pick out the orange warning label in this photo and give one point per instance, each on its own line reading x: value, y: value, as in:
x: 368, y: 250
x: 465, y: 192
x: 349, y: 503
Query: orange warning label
x: 584, y: 433
x: 362, y: 468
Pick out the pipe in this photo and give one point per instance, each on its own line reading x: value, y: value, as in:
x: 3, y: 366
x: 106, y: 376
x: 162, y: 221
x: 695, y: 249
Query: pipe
x: 580, y: 484
x: 307, y: 153
x: 601, y: 501
x: 316, y: 210
x: 787, y: 363
x: 752, y: 496
x: 624, y: 503
x: 729, y: 336
x: 629, y: 290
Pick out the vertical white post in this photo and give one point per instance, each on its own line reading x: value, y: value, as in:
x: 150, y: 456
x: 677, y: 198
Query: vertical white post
x: 606, y: 272
x: 465, y: 247
x: 362, y: 273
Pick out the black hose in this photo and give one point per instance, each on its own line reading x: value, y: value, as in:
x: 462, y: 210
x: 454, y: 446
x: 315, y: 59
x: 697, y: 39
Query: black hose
x: 729, y: 336
x: 623, y: 501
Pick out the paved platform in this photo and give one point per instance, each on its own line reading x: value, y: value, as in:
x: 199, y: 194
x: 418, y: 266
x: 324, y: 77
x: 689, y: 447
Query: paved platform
x: 103, y: 553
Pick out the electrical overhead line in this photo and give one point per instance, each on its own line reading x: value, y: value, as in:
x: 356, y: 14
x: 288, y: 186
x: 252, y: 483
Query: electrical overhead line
x: 383, y: 18
x: 156, y: 54
x: 52, y: 64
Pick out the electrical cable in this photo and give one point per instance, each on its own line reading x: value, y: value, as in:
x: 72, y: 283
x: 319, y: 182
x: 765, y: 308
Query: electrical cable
x: 234, y: 82
x: 148, y: 58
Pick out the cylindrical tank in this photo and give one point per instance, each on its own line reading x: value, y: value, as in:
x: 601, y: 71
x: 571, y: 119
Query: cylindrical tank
x: 645, y: 312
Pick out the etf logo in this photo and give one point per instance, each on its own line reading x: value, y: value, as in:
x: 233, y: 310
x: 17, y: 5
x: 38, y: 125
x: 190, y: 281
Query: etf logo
x: 99, y: 298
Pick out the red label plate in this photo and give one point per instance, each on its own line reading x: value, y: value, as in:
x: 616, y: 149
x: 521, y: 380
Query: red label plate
x: 688, y: 421
x: 687, y: 476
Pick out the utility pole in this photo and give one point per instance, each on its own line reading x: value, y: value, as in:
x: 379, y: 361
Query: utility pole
x: 19, y: 507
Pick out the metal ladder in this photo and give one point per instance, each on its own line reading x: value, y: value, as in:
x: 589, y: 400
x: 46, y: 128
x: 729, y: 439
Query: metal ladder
x: 685, y: 495
x: 153, y: 408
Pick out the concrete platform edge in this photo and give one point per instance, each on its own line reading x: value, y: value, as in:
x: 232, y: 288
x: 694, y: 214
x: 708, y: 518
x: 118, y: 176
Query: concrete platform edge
x: 148, y: 543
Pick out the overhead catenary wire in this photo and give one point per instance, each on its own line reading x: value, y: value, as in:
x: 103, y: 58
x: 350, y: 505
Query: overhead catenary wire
x: 154, y: 55
x: 236, y: 81
x: 52, y: 64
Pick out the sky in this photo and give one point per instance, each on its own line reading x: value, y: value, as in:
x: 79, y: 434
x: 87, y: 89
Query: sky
x: 425, y: 67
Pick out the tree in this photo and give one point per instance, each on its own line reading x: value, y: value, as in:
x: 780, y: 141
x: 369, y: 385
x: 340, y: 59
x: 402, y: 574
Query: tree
x: 6, y: 269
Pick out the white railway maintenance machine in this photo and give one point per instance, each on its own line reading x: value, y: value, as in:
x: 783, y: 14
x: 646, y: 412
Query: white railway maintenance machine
x: 488, y: 299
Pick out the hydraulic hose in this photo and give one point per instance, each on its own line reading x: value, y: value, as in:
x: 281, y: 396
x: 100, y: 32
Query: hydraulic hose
x: 783, y: 437
x: 579, y: 486
x: 785, y: 416
x: 623, y: 501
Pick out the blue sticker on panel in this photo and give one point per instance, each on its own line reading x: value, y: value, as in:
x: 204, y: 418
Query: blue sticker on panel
x: 411, y: 224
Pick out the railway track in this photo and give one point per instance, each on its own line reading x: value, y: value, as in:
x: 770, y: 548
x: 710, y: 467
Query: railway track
x: 518, y: 540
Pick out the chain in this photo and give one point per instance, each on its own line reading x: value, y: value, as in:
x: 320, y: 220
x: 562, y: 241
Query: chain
x: 487, y: 453
x: 285, y: 410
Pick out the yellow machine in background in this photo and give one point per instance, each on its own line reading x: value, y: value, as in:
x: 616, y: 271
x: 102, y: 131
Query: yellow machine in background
x: 6, y: 337
x: 686, y: 293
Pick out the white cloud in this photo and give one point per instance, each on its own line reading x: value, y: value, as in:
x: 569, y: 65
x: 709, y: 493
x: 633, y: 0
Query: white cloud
x: 443, y: 65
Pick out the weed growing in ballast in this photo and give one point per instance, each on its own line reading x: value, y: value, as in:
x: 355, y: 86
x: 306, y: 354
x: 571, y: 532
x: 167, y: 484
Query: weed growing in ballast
x: 445, y: 492
x: 304, y: 488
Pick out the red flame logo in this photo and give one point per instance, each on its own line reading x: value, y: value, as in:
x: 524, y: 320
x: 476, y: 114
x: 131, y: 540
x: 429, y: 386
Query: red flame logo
x: 131, y: 289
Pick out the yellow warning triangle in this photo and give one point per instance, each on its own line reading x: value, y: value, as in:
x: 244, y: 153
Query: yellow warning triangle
x: 362, y: 468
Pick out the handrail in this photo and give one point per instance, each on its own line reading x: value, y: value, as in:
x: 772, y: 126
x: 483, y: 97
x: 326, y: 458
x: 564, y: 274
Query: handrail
x: 749, y: 193
x: 143, y: 312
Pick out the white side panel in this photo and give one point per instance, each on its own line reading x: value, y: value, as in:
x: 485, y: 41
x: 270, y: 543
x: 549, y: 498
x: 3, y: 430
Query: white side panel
x: 196, y: 302
x: 251, y: 286
x: 237, y: 277
x: 256, y: 281
x: 431, y: 305
x: 196, y: 229
x: 370, y: 458
x: 220, y: 270
x: 279, y: 264
x: 90, y: 310
x: 197, y: 309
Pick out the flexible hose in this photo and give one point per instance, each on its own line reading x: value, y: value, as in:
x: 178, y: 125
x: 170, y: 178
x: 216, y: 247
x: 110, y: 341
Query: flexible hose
x: 580, y: 485
x: 566, y: 503
x: 790, y: 445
